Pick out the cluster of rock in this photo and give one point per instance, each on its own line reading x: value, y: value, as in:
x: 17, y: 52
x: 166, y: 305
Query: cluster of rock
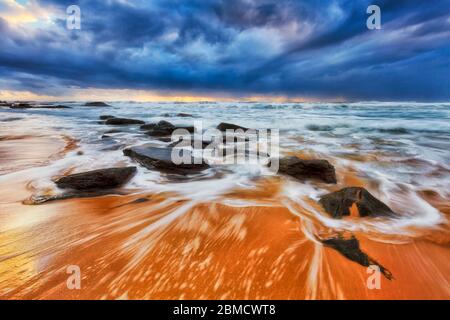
x: 345, y: 202
x: 27, y: 105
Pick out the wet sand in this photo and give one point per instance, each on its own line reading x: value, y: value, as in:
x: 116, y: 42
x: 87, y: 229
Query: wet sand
x: 168, y: 247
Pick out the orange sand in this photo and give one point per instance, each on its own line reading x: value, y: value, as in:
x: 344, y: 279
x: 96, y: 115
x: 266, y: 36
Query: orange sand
x: 172, y: 249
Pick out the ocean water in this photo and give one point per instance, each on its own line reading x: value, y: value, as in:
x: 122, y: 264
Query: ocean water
x: 398, y: 149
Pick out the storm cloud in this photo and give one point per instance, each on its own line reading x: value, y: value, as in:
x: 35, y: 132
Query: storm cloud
x: 320, y: 49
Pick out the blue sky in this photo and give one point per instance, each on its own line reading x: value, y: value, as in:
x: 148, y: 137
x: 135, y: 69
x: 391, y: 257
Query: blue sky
x: 311, y: 49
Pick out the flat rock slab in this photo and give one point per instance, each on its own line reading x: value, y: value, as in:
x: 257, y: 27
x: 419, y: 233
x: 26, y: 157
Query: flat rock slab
x: 161, y: 159
x: 97, y: 179
x: 300, y: 169
x: 343, y: 202
x: 122, y: 121
x: 96, y: 104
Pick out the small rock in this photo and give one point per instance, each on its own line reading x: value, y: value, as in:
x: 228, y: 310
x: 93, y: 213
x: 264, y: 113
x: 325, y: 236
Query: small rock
x: 41, y: 199
x: 164, y: 128
x: 97, y: 179
x: 343, y: 202
x: 123, y: 121
x: 161, y: 159
x: 21, y: 105
x: 113, y: 131
x: 350, y: 249
x: 106, y: 117
x: 229, y: 126
x: 96, y: 104
x: 184, y: 115
x: 301, y: 169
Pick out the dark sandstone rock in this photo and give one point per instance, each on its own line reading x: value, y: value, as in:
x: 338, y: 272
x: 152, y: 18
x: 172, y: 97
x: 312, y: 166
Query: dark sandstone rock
x: 300, y: 169
x: 350, y: 249
x: 229, y: 126
x: 161, y: 159
x: 122, y: 121
x: 112, y: 131
x: 338, y: 203
x: 106, y: 117
x: 163, y: 124
x: 164, y: 128
x: 96, y: 104
x: 97, y: 179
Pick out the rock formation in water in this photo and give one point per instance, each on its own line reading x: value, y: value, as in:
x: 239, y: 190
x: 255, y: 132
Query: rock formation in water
x: 340, y: 203
x: 320, y: 170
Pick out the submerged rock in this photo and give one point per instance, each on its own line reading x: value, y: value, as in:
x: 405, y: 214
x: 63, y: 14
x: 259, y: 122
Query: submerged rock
x: 96, y: 104
x: 20, y: 105
x: 97, y: 179
x: 40, y: 199
x: 193, y: 142
x: 106, y: 117
x: 161, y: 159
x: 184, y: 115
x: 50, y: 106
x: 161, y: 124
x: 164, y: 128
x: 301, y: 169
x: 122, y: 121
x: 223, y: 126
x: 181, y: 115
x: 350, y: 249
x: 112, y: 131
x: 343, y: 203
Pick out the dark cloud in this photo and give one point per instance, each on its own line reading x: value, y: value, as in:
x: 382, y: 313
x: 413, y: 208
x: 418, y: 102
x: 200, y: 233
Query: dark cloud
x: 318, y: 48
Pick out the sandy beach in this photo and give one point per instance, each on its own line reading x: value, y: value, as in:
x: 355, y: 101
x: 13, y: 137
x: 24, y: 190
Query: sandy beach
x: 247, y: 243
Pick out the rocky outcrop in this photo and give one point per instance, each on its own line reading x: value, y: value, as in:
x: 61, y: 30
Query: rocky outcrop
x: 122, y: 121
x: 229, y: 126
x: 97, y: 179
x: 161, y: 159
x: 354, y: 201
x: 96, y: 104
x: 320, y: 170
